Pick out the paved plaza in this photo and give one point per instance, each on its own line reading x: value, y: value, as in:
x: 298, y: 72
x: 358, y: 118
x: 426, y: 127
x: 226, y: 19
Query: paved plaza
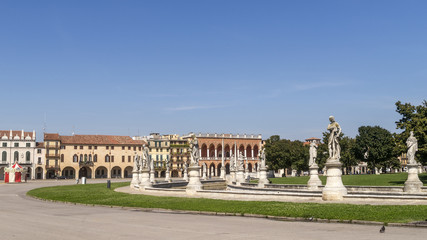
x: 27, y: 218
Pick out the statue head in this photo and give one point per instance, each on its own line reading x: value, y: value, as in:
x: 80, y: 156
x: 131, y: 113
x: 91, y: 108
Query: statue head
x: 332, y: 118
x: 411, y: 133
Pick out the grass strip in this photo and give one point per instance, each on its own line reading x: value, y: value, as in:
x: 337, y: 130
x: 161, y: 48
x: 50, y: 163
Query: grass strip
x: 392, y: 179
x: 98, y: 194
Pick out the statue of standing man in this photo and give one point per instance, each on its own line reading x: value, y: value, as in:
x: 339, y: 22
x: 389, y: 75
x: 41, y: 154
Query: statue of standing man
x: 333, y: 143
x: 412, y: 145
x: 195, y: 155
x: 313, y: 154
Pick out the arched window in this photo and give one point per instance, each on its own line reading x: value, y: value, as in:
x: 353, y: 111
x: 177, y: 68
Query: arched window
x: 95, y: 158
x: 27, y: 156
x: 85, y: 157
x: 81, y: 157
x: 75, y: 158
x: 90, y: 158
x: 107, y: 158
x: 4, y: 156
x: 15, y: 156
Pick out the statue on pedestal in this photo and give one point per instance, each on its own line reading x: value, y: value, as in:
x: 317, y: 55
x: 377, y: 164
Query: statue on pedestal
x: 333, y: 143
x: 195, y: 155
x: 232, y: 163
x: 412, y: 145
x: 262, y: 158
x: 136, y: 163
x: 145, y: 157
x: 241, y: 161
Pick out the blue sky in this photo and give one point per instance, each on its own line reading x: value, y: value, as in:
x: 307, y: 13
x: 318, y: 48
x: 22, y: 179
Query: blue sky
x: 269, y: 67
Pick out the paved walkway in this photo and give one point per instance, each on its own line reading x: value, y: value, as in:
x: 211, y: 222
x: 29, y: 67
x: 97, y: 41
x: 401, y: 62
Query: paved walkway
x: 27, y: 218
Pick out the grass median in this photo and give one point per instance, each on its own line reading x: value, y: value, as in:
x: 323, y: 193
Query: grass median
x: 394, y: 179
x: 98, y: 194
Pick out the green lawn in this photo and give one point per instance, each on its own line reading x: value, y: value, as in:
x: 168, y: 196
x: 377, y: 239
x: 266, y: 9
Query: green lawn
x: 99, y: 194
x: 395, y: 179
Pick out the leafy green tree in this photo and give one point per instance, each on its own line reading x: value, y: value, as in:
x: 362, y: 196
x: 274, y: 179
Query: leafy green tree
x: 284, y: 153
x: 376, y: 146
x: 348, y: 154
x: 414, y: 118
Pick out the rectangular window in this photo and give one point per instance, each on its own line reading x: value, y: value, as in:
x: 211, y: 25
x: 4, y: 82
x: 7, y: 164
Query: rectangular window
x: 112, y: 147
x: 134, y: 148
x: 90, y: 147
x: 39, y: 161
x: 28, y: 144
x: 140, y: 148
x: 123, y: 158
x: 39, y: 151
x: 107, y: 147
x: 81, y: 147
x: 129, y: 147
x: 16, y: 144
x: 95, y: 147
x: 4, y: 144
x: 75, y: 147
x: 62, y: 147
x: 129, y: 158
x: 112, y: 158
x: 123, y: 147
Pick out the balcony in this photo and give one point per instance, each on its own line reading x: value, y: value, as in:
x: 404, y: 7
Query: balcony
x: 52, y: 155
x: 52, y: 166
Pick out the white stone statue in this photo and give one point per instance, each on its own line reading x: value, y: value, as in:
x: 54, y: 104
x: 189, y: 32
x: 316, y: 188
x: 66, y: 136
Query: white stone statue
x: 136, y: 164
x: 313, y: 154
x: 333, y: 143
x: 195, y: 155
x: 145, y: 157
x: 366, y: 154
x: 241, y: 160
x: 232, y: 163
x: 262, y: 158
x: 412, y: 145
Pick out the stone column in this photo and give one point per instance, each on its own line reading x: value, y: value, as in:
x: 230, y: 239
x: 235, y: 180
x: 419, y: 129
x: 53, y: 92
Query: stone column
x: 413, y: 183
x: 145, y: 179
x: 152, y: 179
x: 167, y: 175
x: 207, y: 151
x: 314, y: 181
x: 334, y: 188
x: 262, y: 177
x: 194, y: 183
x: 185, y: 178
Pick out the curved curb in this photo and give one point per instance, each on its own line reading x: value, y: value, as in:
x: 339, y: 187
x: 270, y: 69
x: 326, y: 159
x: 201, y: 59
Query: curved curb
x: 277, y: 218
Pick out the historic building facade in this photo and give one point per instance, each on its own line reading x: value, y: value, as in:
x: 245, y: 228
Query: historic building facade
x: 159, y: 146
x: 90, y: 156
x: 179, y: 154
x: 17, y: 146
x: 214, y: 147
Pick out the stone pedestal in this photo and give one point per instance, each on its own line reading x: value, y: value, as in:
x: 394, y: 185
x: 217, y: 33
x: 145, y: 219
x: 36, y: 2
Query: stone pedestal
x: 145, y: 179
x: 413, y: 184
x: 194, y: 183
x: 135, y: 179
x: 223, y: 172
x: 334, y: 188
x: 240, y: 176
x: 152, y: 179
x: 205, y: 176
x: 314, y: 181
x: 232, y: 177
x: 167, y: 176
x: 263, y: 177
x: 185, y: 178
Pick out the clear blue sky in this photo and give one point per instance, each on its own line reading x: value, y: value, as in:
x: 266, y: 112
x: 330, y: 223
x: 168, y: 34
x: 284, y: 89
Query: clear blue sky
x: 269, y: 67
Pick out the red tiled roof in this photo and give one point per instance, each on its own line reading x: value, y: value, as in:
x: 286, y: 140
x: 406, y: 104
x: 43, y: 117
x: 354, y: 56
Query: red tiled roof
x: 95, y: 139
x: 14, y: 133
x: 51, y: 136
x: 313, y: 138
x: 39, y: 144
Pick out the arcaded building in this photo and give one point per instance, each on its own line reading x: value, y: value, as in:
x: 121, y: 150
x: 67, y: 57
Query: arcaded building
x: 214, y: 147
x: 90, y: 156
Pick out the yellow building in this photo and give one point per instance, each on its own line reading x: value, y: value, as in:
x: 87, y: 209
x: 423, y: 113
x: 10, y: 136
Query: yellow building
x: 179, y: 154
x: 90, y: 156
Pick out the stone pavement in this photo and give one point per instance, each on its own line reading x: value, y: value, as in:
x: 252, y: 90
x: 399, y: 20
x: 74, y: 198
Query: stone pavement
x: 27, y: 218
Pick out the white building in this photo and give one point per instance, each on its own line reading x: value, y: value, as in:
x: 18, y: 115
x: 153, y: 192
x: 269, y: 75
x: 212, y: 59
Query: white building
x: 17, y: 146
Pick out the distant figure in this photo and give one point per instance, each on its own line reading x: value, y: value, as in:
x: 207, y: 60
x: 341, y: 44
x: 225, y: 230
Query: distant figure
x: 333, y: 143
x: 313, y: 154
x: 412, y: 145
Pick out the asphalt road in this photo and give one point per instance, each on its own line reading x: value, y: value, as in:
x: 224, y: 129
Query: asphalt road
x: 27, y: 218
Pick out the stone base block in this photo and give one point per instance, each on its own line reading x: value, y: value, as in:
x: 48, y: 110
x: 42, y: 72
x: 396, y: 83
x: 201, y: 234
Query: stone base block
x: 334, y: 188
x: 314, y: 181
x: 413, y: 183
x: 145, y: 179
x: 240, y: 177
x: 194, y: 183
x: 135, y: 179
x: 263, y: 178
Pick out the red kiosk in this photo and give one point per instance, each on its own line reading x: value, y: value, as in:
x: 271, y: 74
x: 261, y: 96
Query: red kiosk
x: 13, y: 174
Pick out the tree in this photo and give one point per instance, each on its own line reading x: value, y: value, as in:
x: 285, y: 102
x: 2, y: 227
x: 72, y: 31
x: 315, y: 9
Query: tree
x: 284, y: 153
x: 414, y: 118
x: 376, y: 145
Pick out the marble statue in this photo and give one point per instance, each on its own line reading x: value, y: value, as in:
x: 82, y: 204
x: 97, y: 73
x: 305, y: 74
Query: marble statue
x: 412, y: 145
x: 333, y: 143
x: 145, y: 156
x: 195, y: 155
x: 262, y: 158
x: 241, y: 160
x: 366, y: 154
x: 136, y: 164
x: 232, y: 162
x: 313, y: 154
